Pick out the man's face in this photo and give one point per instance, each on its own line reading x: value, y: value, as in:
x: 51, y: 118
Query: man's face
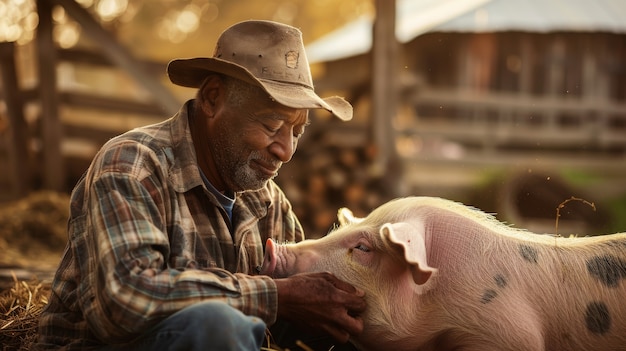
x: 251, y: 141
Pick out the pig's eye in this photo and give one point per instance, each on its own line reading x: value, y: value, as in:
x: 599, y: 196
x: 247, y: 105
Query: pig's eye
x: 362, y: 248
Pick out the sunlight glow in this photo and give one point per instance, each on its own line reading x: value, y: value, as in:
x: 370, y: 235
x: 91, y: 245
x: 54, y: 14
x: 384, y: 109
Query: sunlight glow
x: 15, y: 18
x: 67, y: 34
x: 19, y: 19
x: 178, y: 25
x: 109, y: 10
x: 187, y: 20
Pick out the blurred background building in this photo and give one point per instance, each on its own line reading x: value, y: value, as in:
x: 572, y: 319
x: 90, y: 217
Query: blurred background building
x: 510, y: 106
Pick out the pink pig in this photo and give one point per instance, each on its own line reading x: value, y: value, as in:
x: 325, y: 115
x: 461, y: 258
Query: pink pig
x: 442, y: 276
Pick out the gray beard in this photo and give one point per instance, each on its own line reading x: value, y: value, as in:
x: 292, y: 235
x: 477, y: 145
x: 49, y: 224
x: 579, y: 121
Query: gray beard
x: 246, y: 178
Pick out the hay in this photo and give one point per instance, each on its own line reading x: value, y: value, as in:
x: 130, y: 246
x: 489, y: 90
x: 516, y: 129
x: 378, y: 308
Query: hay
x: 20, y: 307
x: 33, y: 230
x: 32, y: 237
x: 270, y: 344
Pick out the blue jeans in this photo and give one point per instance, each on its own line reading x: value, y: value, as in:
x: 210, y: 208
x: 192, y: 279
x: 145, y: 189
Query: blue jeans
x: 203, y: 326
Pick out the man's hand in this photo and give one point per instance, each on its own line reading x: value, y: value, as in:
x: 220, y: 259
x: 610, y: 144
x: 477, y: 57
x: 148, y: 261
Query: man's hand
x: 321, y: 302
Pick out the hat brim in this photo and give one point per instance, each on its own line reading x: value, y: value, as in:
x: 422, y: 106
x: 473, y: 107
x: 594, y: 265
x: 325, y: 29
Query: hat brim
x: 192, y: 72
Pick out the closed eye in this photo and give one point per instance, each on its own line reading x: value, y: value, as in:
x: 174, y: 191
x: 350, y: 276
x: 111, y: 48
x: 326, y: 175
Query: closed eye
x: 362, y: 247
x: 271, y: 129
x: 363, y: 253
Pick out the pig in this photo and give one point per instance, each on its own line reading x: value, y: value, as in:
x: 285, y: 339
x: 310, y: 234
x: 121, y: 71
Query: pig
x: 439, y: 275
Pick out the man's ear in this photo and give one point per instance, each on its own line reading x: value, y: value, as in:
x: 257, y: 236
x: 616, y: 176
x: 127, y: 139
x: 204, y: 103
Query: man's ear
x: 211, y: 91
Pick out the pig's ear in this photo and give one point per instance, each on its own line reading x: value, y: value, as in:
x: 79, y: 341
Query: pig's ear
x: 410, y: 240
x: 345, y: 216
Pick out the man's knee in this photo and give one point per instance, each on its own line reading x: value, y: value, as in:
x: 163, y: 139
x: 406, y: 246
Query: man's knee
x: 209, y: 326
x: 215, y: 315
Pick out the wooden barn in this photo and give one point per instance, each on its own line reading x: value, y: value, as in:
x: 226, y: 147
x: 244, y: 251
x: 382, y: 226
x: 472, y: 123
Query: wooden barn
x: 480, y: 99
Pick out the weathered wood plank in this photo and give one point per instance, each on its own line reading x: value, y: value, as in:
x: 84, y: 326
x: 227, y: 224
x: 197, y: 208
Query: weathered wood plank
x: 18, y: 159
x: 53, y: 174
x: 519, y: 102
x: 384, y: 91
x: 97, y: 58
x: 112, y: 104
x: 97, y: 102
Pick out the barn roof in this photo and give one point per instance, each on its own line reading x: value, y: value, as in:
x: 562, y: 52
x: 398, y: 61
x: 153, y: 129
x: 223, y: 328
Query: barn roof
x: 418, y: 17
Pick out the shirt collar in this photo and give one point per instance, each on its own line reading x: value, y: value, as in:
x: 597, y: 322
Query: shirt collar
x: 185, y: 173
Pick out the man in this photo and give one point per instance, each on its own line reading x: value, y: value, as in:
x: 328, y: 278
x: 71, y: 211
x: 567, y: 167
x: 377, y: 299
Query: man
x: 167, y: 226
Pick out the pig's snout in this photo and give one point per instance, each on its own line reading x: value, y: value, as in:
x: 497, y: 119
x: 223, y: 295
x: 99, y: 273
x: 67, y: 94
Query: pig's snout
x: 281, y: 261
x: 278, y: 261
x: 269, y: 260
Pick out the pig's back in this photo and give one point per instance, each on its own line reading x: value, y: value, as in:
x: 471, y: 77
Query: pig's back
x: 559, y: 293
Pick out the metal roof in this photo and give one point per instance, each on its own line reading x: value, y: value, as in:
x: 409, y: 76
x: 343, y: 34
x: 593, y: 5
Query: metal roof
x: 416, y: 17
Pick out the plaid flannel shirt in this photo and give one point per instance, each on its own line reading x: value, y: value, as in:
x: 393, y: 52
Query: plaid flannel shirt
x: 146, y: 239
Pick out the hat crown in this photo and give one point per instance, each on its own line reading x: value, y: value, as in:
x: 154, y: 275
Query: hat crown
x: 266, y: 54
x: 269, y: 50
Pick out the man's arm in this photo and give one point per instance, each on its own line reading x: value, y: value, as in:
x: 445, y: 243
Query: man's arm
x: 127, y: 280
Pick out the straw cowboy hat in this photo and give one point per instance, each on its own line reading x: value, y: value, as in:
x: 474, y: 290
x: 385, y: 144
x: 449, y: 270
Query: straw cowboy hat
x: 264, y: 53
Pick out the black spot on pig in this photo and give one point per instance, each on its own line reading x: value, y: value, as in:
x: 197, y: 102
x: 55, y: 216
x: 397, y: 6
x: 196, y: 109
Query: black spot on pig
x: 529, y: 253
x: 598, y: 318
x: 608, y: 269
x: 500, y: 281
x: 488, y: 296
x: 491, y: 294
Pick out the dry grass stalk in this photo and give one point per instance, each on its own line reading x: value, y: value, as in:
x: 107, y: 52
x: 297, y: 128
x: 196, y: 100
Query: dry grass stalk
x: 562, y: 205
x: 270, y: 345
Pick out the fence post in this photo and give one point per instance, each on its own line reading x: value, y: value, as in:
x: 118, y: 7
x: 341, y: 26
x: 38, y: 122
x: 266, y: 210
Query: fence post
x: 53, y: 175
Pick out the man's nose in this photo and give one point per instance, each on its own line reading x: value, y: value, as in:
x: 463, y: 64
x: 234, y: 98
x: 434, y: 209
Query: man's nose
x: 284, y: 144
